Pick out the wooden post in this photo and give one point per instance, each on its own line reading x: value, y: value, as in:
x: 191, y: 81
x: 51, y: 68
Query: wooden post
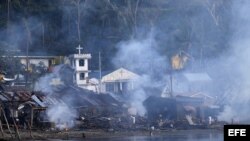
x: 31, y: 117
x: 30, y: 131
x: 16, y: 128
x: 14, y: 122
x: 1, y: 128
x: 8, y: 126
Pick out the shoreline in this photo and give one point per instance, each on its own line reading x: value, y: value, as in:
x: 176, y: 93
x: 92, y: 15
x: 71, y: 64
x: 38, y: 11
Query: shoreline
x: 98, y: 133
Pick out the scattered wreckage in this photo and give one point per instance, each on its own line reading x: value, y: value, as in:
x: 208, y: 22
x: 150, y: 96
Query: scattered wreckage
x: 24, y: 109
x: 28, y: 109
x: 180, y: 112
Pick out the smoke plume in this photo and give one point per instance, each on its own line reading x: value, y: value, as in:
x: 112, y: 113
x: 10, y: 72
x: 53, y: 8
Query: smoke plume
x: 141, y: 57
x: 59, y: 111
x: 237, y: 65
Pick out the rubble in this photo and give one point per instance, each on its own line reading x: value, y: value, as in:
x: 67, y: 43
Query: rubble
x: 24, y: 110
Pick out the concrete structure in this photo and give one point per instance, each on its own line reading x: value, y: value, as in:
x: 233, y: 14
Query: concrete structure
x: 47, y: 61
x: 79, y: 63
x: 119, y: 81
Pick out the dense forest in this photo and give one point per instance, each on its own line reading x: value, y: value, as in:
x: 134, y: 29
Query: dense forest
x: 55, y: 27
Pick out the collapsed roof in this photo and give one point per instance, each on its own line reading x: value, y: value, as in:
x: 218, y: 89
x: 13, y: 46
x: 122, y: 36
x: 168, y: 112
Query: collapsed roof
x: 70, y: 95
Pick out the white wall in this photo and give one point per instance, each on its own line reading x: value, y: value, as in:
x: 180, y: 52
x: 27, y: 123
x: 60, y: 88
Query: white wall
x: 36, y: 61
x: 81, y: 68
x: 81, y: 82
x: 117, y: 86
x: 74, y: 62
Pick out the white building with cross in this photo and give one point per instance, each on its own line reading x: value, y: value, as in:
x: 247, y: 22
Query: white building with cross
x: 79, y: 63
x: 120, y: 81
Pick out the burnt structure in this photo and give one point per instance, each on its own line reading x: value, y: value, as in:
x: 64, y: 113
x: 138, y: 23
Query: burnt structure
x: 179, y: 108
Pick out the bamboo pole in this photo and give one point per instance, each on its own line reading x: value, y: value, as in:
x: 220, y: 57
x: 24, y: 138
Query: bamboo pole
x: 16, y: 128
x: 1, y: 125
x: 8, y: 126
x: 31, y: 117
x: 30, y: 131
x: 1, y: 128
x: 14, y: 122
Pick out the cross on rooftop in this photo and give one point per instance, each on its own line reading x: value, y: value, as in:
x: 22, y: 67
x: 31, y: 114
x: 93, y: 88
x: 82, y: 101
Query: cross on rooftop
x: 121, y: 72
x: 79, y: 48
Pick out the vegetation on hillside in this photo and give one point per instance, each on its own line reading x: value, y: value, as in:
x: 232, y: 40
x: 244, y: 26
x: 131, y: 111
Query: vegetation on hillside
x: 56, y: 27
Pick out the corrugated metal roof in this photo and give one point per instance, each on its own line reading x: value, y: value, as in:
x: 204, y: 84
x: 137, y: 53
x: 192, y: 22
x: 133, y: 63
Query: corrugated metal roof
x: 78, y: 97
x: 3, y: 98
x: 16, y: 96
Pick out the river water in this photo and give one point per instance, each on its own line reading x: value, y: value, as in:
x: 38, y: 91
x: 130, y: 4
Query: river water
x: 189, y: 135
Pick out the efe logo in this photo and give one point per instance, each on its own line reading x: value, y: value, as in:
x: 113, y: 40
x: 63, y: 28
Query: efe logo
x: 239, y: 132
x: 236, y: 132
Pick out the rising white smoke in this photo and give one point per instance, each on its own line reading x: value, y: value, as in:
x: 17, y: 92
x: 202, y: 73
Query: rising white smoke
x: 58, y: 112
x: 141, y: 57
x: 238, y: 64
x: 62, y: 116
x: 46, y: 83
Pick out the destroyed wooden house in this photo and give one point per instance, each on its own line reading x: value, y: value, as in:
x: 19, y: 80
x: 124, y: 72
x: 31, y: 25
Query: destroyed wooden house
x: 209, y: 106
x: 17, y: 107
x: 156, y: 106
x: 174, y: 109
x: 94, y: 110
x: 88, y: 102
x: 29, y: 108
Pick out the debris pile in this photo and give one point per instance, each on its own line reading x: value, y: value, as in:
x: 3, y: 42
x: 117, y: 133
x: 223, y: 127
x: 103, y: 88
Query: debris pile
x: 28, y: 110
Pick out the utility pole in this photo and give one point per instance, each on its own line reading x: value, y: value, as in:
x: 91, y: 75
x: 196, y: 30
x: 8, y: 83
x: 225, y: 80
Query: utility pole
x: 28, y: 41
x: 43, y: 34
x: 100, y: 73
x: 171, y: 69
x: 8, y: 16
x: 171, y: 82
x: 27, y: 64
